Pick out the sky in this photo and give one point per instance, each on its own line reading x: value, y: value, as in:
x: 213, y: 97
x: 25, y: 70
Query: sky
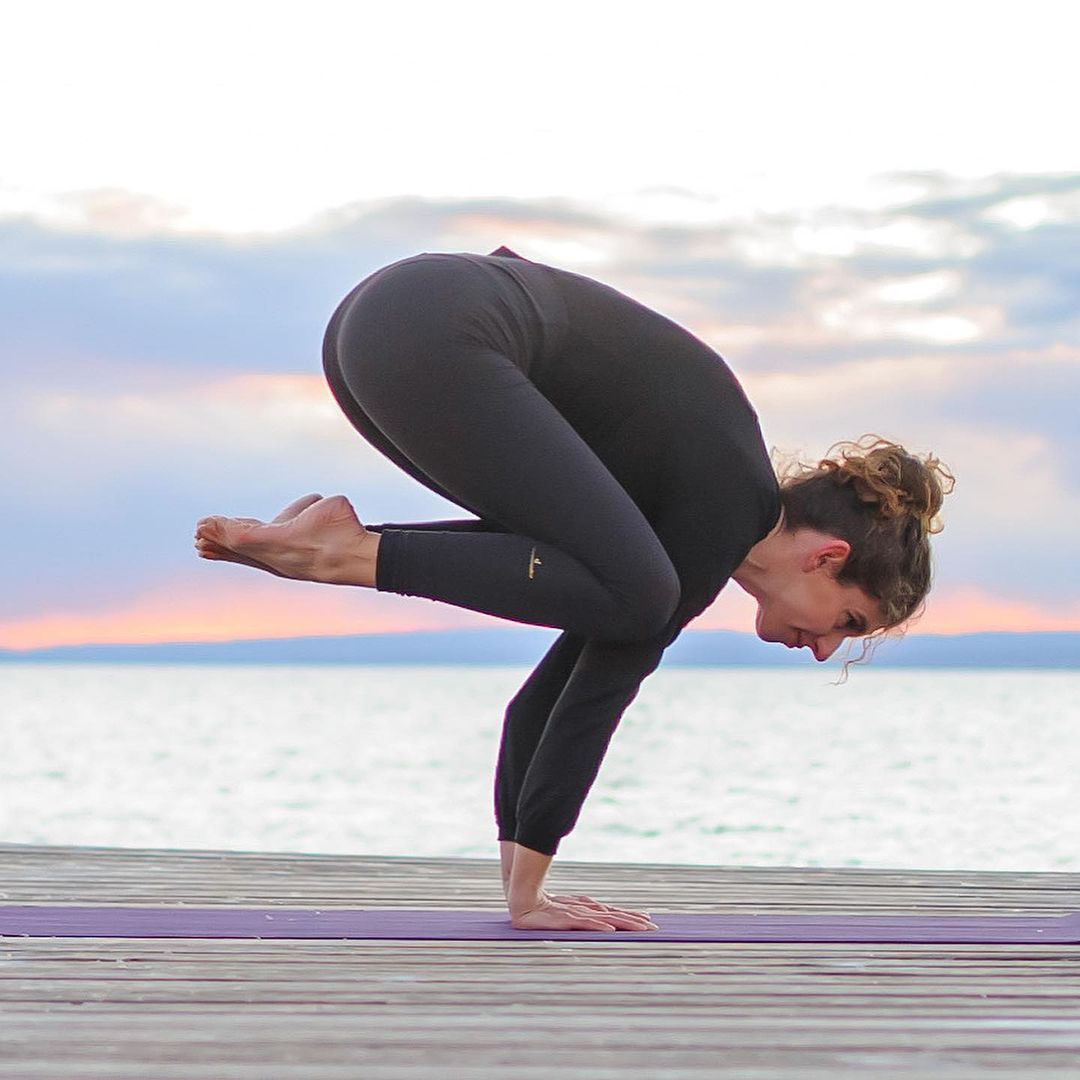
x: 871, y: 210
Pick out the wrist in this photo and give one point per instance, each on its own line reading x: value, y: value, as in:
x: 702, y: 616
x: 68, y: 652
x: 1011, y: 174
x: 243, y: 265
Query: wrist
x: 525, y: 888
x: 506, y: 864
x: 518, y: 903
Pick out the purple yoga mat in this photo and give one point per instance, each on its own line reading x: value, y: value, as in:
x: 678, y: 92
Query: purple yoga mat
x: 182, y: 921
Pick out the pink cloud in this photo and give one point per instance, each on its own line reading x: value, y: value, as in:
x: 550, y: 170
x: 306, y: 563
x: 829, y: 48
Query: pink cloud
x: 964, y: 609
x: 196, y: 608
x: 967, y: 609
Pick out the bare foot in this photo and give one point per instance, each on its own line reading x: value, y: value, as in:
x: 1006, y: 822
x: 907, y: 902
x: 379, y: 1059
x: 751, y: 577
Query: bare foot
x: 312, y: 539
x: 208, y: 549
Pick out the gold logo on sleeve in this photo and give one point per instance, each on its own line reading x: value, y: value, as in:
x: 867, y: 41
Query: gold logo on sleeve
x: 533, y: 562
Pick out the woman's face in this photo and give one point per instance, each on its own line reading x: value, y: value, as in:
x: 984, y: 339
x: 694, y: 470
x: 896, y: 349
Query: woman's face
x: 810, y: 608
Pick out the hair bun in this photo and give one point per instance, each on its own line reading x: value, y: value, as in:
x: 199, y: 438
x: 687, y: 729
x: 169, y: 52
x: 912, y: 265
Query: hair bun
x: 899, y: 484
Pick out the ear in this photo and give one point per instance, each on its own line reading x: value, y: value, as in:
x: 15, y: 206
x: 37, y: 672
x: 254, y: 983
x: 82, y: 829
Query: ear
x: 829, y: 556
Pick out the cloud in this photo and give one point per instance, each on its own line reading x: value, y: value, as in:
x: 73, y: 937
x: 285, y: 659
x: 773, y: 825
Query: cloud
x: 107, y: 475
x: 968, y: 609
x: 153, y: 375
x: 950, y: 609
x: 825, y: 281
x: 219, y: 602
x: 1005, y: 425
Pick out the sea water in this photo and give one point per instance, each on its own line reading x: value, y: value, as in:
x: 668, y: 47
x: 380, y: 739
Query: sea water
x: 766, y: 767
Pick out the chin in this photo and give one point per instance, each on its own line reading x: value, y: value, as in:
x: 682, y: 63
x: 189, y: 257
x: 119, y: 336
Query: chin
x: 772, y: 636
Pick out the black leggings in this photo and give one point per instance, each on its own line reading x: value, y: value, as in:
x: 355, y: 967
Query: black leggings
x: 429, y: 359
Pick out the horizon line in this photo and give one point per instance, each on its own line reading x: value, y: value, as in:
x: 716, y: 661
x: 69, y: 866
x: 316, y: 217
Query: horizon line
x: 449, y: 631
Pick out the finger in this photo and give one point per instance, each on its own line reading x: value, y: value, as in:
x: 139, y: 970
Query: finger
x: 588, y: 901
x: 623, y: 920
x: 578, y: 899
x: 626, y: 911
x: 624, y: 923
x: 592, y: 924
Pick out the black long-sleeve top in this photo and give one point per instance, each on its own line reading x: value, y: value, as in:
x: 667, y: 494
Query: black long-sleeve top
x: 667, y: 416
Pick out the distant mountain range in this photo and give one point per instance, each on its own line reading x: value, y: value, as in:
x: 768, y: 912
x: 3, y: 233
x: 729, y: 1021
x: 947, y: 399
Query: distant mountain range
x: 720, y: 648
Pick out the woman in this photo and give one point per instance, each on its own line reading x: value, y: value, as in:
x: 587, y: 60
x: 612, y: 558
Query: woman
x: 619, y: 479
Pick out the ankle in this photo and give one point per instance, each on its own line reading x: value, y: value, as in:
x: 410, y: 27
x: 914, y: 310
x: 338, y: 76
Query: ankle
x: 368, y: 559
x: 349, y: 561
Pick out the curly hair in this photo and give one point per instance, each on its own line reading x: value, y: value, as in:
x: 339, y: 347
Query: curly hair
x: 885, y: 502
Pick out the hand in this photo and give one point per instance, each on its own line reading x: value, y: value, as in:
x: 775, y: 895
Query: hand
x: 577, y: 913
x: 589, y: 902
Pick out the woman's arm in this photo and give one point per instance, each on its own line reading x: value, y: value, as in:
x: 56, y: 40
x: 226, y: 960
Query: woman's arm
x: 524, y: 721
x: 604, y: 682
x: 546, y: 797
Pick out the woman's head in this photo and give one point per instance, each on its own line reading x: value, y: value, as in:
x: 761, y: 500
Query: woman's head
x: 882, y: 502
x: 853, y: 555
x: 885, y: 503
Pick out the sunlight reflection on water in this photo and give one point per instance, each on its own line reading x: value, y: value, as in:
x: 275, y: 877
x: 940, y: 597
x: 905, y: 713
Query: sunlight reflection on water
x: 767, y: 767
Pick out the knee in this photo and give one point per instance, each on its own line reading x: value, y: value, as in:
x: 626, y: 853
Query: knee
x: 654, y: 600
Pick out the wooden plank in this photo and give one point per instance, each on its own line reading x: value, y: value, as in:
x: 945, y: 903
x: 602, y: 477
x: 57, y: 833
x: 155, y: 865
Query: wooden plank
x: 516, y: 1010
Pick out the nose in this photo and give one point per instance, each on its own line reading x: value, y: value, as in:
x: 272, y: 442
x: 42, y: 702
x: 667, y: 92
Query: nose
x: 824, y: 647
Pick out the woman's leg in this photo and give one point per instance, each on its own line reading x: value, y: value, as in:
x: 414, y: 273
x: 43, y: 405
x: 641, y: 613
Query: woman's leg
x: 560, y: 543
x: 213, y: 534
x: 526, y: 714
x: 577, y: 552
x: 363, y: 423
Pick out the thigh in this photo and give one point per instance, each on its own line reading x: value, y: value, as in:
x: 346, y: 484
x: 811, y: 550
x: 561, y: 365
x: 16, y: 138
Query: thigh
x: 360, y: 420
x: 467, y: 418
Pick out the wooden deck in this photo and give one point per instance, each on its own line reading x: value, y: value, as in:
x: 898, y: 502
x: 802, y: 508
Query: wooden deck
x: 608, y: 1010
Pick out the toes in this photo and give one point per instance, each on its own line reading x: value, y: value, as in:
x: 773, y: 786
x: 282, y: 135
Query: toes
x: 207, y: 549
x: 297, y: 506
x: 234, y: 533
x: 211, y: 528
x: 228, y: 532
x: 333, y: 510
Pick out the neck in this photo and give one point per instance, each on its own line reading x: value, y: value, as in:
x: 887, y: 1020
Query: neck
x: 751, y: 573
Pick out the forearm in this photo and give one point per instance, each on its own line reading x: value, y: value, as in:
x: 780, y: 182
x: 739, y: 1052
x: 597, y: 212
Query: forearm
x: 524, y: 721
x: 567, y: 759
